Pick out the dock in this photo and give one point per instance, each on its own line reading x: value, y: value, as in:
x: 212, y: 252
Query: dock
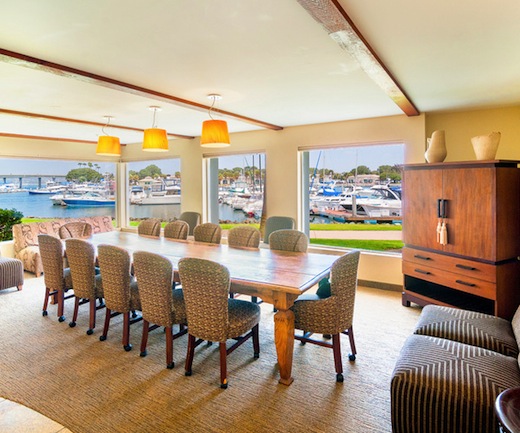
x: 347, y: 217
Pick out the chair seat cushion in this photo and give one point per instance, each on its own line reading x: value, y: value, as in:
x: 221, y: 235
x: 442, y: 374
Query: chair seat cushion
x: 469, y: 327
x: 243, y: 315
x: 440, y: 385
x: 315, y: 314
x: 11, y: 272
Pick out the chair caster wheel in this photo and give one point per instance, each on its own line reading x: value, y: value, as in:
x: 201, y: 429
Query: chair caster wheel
x: 351, y: 357
x: 170, y: 366
x: 327, y: 336
x: 90, y: 331
x: 223, y: 385
x: 143, y: 354
x: 339, y: 377
x: 44, y: 313
x: 60, y: 319
x: 302, y: 343
x: 209, y: 343
x: 127, y: 347
x: 256, y: 355
x: 72, y: 324
x: 102, y: 338
x: 187, y: 373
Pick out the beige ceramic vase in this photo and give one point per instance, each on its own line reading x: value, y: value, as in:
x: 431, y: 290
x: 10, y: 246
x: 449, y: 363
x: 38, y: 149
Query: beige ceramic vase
x: 436, y: 151
x: 486, y: 146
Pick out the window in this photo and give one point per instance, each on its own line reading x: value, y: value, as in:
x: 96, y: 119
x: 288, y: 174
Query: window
x: 354, y: 196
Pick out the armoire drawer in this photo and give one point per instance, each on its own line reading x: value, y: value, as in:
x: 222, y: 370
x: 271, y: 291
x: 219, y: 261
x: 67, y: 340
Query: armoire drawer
x: 469, y: 268
x: 475, y: 286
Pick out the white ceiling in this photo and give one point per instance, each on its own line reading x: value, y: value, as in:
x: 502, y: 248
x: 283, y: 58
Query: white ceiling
x: 269, y: 59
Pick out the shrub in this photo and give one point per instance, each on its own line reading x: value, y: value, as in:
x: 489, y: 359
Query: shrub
x: 8, y: 218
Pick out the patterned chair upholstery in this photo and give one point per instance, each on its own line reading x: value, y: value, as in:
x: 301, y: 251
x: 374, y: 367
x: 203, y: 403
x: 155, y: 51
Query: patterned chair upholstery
x: 75, y: 229
x: 119, y: 289
x: 57, y: 278
x: 88, y: 286
x: 161, y: 306
x: 208, y: 232
x: 176, y: 230
x: 11, y: 273
x: 332, y: 315
x: 451, y: 370
x: 211, y: 315
x: 192, y: 218
x: 25, y: 236
x: 289, y: 240
x: 244, y: 236
x: 150, y: 227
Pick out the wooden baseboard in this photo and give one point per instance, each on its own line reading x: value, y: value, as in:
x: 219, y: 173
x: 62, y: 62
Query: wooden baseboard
x: 380, y: 285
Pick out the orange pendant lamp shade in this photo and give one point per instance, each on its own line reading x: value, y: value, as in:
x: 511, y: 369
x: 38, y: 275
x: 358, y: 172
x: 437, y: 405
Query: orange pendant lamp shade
x: 108, y: 146
x: 155, y: 140
x: 214, y: 134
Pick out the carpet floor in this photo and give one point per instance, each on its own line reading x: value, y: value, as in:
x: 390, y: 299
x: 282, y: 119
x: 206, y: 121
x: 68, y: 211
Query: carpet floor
x: 92, y: 386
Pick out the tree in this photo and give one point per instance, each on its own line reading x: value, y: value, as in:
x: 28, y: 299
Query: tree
x: 8, y: 218
x: 152, y: 170
x: 83, y: 175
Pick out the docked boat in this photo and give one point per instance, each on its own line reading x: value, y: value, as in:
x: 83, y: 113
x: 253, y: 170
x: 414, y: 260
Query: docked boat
x: 10, y: 187
x: 380, y: 200
x: 51, y: 187
x: 157, y: 192
x: 89, y: 199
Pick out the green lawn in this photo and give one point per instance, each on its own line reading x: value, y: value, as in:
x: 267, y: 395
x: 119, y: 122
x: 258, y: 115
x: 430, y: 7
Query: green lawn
x: 372, y: 245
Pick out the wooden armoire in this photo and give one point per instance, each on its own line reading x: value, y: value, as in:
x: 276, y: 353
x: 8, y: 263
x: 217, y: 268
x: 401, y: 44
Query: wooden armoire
x: 474, y: 263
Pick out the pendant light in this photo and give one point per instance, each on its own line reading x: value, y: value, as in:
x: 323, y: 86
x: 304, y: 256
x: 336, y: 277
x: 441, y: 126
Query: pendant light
x: 155, y: 139
x: 214, y: 132
x: 108, y: 145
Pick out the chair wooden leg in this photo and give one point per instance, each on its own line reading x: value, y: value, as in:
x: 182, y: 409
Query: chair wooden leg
x: 144, y: 338
x: 45, y: 301
x: 61, y: 304
x: 223, y: 365
x: 256, y: 341
x: 336, y: 347
x: 108, y: 315
x: 126, y: 332
x: 350, y: 333
x: 189, y: 355
x: 75, y: 315
x: 19, y: 287
x: 169, y: 348
x: 92, y: 316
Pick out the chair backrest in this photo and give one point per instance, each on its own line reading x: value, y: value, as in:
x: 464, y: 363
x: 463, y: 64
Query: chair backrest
x: 75, y: 229
x: 150, y: 227
x: 208, y: 232
x: 114, y: 265
x: 289, y: 240
x: 206, y: 290
x: 244, y: 236
x: 176, y: 230
x: 274, y: 223
x: 192, y: 218
x: 154, y: 275
x: 81, y: 255
x: 51, y: 252
x: 343, y: 284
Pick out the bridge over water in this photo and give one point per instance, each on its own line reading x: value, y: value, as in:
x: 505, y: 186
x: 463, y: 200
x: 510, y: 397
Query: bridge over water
x: 19, y: 179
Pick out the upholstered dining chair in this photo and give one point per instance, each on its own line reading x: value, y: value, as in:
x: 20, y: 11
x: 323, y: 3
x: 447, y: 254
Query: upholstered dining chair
x: 244, y: 237
x: 332, y: 315
x: 160, y: 305
x: 57, y: 278
x: 176, y: 230
x: 289, y: 240
x: 212, y: 316
x: 75, y: 229
x: 88, y: 286
x: 119, y: 289
x: 150, y: 227
x: 192, y: 218
x: 208, y: 232
x: 274, y: 223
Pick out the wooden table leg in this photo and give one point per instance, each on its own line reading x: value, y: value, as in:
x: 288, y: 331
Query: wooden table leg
x: 284, y: 340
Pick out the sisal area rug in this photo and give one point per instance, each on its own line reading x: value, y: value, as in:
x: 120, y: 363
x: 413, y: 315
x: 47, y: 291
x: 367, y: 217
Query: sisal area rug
x: 92, y: 386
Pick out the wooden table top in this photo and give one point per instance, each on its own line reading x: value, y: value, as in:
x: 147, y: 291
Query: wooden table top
x: 261, y: 269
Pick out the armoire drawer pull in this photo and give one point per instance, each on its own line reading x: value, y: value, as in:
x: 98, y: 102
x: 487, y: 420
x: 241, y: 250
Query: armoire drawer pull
x: 465, y: 283
x: 467, y: 268
x: 420, y: 271
x: 418, y: 256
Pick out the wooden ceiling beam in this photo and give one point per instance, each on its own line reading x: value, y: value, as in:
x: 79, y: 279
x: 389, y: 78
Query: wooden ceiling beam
x: 344, y: 32
x: 78, y: 121
x: 18, y: 59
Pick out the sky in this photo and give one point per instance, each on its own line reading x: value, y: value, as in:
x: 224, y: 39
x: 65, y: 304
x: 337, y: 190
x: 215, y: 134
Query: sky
x: 339, y: 160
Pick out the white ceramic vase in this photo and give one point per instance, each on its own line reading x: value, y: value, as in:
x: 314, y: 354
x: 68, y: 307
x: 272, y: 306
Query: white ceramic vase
x: 436, y: 151
x: 486, y: 146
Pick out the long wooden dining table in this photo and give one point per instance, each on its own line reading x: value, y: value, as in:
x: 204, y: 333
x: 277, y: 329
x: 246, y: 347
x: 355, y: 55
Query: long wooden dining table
x: 277, y: 277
